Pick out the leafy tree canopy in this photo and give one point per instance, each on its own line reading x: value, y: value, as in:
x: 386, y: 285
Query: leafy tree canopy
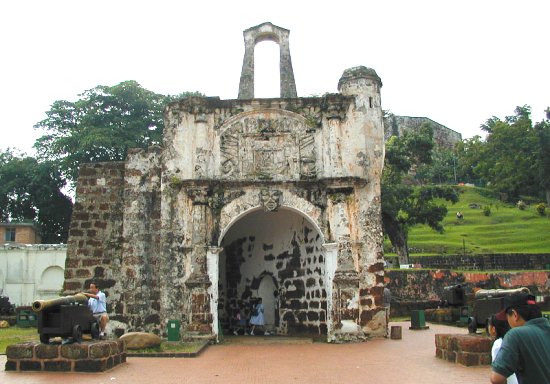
x: 102, y: 125
x: 513, y: 160
x: 403, y: 204
x: 30, y: 191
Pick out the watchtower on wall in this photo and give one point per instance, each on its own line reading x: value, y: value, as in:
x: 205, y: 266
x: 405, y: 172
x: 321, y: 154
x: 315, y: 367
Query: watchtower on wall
x: 273, y: 198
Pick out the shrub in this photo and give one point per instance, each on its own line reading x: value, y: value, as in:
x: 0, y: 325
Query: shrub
x: 521, y: 205
x: 487, y: 210
x: 541, y: 208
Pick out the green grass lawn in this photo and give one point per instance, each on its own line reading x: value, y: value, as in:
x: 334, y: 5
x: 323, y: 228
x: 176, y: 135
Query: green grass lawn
x: 506, y: 230
x: 14, y: 335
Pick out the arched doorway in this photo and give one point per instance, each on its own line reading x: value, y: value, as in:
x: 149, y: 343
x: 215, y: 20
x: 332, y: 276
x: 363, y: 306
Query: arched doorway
x: 279, y: 257
x: 269, y: 292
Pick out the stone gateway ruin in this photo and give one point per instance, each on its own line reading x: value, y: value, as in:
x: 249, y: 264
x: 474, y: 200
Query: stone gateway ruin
x: 274, y: 198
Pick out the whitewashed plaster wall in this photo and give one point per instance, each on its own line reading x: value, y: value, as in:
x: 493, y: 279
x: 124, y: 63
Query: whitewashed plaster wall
x: 28, y: 273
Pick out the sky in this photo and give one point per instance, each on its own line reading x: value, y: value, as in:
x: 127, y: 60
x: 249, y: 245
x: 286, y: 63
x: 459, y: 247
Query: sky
x: 456, y: 62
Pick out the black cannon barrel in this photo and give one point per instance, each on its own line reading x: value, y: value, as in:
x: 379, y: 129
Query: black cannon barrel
x: 40, y: 305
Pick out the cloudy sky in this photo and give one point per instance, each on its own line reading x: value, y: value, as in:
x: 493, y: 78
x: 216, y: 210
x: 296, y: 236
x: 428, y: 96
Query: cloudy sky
x: 457, y: 62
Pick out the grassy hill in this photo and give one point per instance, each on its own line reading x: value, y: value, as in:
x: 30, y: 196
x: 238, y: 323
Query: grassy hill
x: 506, y: 230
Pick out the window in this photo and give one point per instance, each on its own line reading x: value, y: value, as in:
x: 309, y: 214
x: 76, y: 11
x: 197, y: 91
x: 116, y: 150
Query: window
x: 10, y: 234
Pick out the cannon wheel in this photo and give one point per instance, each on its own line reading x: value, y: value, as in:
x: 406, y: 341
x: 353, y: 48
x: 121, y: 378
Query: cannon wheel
x: 472, y: 324
x: 95, y: 330
x: 77, y: 333
x: 44, y: 339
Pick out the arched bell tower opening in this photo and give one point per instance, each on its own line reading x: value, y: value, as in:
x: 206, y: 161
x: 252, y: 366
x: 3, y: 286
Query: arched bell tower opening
x: 278, y: 256
x: 266, y: 71
x: 255, y: 35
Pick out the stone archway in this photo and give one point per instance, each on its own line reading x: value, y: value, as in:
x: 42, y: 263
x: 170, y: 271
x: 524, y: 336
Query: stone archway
x: 274, y: 250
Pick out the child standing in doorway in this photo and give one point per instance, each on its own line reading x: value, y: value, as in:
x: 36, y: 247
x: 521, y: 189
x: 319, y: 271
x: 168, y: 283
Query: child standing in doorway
x: 257, y: 318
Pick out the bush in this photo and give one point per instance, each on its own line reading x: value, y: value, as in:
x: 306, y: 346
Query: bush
x: 521, y: 205
x: 541, y: 208
x: 487, y: 210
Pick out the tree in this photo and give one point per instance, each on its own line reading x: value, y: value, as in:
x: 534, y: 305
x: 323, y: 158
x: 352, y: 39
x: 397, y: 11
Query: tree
x: 30, y: 191
x: 513, y: 158
x: 404, y: 205
x: 469, y: 153
x: 542, y: 130
x: 441, y: 170
x: 102, y: 125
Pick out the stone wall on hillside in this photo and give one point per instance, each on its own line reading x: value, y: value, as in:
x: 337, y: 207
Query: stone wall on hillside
x: 397, y: 125
x: 487, y: 262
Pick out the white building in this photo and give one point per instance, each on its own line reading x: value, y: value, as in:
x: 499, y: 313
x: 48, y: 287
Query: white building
x: 31, y: 272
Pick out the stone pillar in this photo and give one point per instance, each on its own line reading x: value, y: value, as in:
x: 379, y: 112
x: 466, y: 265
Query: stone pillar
x: 346, y: 288
x: 212, y: 262
x: 331, y: 261
x: 198, y: 284
x: 246, y: 86
x: 288, y: 84
x: 199, y: 281
x: 255, y: 35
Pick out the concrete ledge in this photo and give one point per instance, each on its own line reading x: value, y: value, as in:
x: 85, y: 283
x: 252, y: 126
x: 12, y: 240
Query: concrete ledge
x: 92, y: 356
x: 171, y: 354
x: 468, y: 350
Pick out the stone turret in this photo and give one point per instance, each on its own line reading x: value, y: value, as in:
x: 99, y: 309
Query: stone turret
x: 365, y: 84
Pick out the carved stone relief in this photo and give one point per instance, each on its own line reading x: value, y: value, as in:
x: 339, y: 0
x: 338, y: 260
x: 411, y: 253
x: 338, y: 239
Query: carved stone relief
x: 268, y: 146
x: 270, y: 199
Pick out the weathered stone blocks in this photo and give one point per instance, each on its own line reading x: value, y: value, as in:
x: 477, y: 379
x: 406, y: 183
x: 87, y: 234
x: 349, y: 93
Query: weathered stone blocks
x: 94, y: 356
x: 467, y: 350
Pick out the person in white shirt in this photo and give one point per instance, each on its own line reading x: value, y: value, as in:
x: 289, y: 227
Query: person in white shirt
x: 97, y: 302
x: 497, y: 328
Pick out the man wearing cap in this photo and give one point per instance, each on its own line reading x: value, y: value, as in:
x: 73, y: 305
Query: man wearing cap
x: 525, y: 348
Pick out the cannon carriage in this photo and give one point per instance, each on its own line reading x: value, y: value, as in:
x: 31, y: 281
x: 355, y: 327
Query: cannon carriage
x: 65, y: 317
x: 487, y: 302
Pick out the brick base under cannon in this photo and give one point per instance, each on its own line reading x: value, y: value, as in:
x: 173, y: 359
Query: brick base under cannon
x: 93, y: 356
x: 463, y: 349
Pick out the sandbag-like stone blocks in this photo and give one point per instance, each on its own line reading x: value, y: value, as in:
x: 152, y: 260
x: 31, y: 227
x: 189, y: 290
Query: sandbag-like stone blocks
x: 468, y: 350
x: 97, y: 356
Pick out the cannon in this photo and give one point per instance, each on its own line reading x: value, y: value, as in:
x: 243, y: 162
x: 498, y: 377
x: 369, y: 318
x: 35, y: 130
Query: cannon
x: 487, y: 302
x: 454, y: 295
x: 65, y: 317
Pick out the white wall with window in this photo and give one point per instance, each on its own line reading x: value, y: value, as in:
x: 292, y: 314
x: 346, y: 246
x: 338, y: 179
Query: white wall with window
x: 31, y: 272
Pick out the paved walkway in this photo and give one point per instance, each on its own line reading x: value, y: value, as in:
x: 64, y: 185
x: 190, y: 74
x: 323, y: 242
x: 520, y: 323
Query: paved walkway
x: 410, y: 360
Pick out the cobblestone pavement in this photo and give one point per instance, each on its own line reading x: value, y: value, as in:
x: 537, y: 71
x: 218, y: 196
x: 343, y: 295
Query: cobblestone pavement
x: 410, y: 360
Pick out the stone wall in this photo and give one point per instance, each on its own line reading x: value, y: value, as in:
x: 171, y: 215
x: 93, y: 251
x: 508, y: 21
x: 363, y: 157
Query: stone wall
x: 489, y: 262
x: 79, y: 357
x: 468, y: 350
x: 31, y: 272
x: 443, y: 136
x: 94, y: 248
x: 420, y: 289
